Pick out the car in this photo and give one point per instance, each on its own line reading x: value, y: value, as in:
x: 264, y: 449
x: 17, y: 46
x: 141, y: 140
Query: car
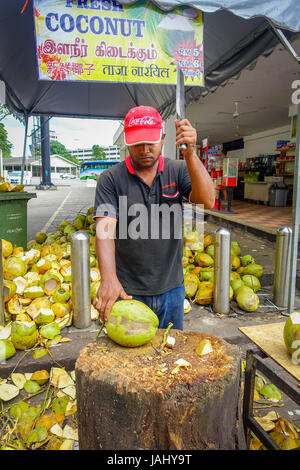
x: 67, y: 176
x: 15, y: 177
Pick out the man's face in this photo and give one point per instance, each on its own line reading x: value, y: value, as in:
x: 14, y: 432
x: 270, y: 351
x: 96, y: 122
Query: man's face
x: 144, y: 155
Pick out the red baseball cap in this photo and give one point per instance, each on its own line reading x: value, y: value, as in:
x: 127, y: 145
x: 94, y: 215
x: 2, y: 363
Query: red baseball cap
x: 143, y: 124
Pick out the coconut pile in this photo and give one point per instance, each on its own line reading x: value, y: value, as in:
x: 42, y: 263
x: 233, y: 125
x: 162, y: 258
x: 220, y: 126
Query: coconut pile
x: 198, y: 267
x: 38, y: 287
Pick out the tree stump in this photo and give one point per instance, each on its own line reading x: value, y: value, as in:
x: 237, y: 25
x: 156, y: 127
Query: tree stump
x: 132, y: 398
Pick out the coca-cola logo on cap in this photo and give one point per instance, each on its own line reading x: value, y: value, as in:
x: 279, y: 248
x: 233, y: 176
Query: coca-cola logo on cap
x: 142, y: 121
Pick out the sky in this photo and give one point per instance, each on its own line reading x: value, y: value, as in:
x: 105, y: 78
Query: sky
x: 73, y: 133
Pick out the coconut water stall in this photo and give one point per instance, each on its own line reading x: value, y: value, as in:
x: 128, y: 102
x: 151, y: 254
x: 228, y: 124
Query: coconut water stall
x: 181, y: 390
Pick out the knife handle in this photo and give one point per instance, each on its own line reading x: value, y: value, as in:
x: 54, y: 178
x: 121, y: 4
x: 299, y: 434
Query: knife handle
x: 183, y: 147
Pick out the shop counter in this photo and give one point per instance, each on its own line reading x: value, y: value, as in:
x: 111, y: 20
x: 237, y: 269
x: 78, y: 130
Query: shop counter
x: 257, y: 190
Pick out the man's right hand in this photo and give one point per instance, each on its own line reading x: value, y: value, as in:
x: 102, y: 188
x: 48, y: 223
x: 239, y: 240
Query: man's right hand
x: 109, y: 291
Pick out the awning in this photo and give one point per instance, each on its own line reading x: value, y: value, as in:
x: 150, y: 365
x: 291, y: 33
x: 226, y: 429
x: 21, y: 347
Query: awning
x: 236, y: 33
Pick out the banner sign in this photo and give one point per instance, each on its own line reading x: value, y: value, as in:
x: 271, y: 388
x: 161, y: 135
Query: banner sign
x: 105, y: 41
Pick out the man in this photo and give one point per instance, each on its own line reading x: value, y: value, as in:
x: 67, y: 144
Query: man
x: 147, y: 268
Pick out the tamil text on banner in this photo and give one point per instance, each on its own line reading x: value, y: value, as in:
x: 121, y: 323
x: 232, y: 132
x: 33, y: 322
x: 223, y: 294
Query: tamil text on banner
x: 105, y: 41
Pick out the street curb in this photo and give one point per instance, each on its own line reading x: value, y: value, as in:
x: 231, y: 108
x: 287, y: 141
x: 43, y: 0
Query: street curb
x: 269, y: 234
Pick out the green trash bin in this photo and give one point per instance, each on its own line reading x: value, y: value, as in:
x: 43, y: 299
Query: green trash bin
x: 13, y: 217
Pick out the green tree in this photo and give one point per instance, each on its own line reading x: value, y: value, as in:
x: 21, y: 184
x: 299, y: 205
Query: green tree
x: 98, y: 153
x: 59, y: 149
x: 5, y: 145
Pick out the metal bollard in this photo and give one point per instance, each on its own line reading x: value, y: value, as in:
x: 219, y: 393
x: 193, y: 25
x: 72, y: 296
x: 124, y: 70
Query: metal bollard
x: 2, y: 318
x: 222, y: 271
x: 81, y: 291
x: 282, y: 267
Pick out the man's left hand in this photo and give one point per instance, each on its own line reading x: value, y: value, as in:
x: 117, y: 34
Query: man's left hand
x: 185, y: 134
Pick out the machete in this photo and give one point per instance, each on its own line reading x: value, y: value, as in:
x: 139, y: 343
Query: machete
x: 180, y: 98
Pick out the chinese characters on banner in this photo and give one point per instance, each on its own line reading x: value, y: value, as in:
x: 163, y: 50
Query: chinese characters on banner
x: 105, y: 41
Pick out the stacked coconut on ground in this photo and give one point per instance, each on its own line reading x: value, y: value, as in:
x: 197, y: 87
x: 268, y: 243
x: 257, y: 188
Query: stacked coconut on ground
x: 198, y: 267
x: 38, y: 286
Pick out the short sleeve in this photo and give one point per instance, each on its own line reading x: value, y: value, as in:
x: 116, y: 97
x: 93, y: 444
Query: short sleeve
x: 106, y: 200
x: 185, y: 181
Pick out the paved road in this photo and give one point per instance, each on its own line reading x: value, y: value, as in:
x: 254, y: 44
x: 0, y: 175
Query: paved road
x: 50, y: 208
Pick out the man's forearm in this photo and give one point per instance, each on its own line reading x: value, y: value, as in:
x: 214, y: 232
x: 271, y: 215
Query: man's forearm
x: 105, y: 250
x: 203, y: 191
x: 105, y: 247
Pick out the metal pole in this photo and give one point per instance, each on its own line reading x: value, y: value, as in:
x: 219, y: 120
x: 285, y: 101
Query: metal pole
x: 295, y: 219
x: 2, y: 318
x: 282, y: 267
x: 222, y: 271
x: 81, y: 291
x: 24, y: 148
x: 45, y: 148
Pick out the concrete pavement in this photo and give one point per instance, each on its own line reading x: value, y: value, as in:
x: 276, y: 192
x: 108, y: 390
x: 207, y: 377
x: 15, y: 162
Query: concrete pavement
x: 50, y: 208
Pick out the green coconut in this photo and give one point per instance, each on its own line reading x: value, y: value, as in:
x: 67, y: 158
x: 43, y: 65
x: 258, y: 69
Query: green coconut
x: 66, y: 272
x: 235, y: 248
x: 90, y: 210
x: 40, y: 237
x: 61, y: 295
x: 9, y: 290
x: 68, y: 229
x: 210, y: 250
x: 33, y: 245
x: 235, y: 262
x: 7, y: 349
x: 234, y: 275
x: 50, y: 330
x: 251, y: 281
x: 92, y: 229
x: 197, y: 247
x: 92, y: 261
x: 94, y: 289
x: 14, y: 267
x: 243, y: 288
x: 191, y: 237
x: 50, y: 283
x: 63, y: 225
x: 204, y: 260
x: 191, y: 284
x: 291, y: 333
x: 236, y: 284
x: 79, y: 222
x: 7, y: 248
x: 31, y: 386
x: 187, y: 252
x: 189, y: 267
x: 44, y: 316
x: 247, y: 259
x: 253, y: 269
x: 247, y: 299
x: 34, y: 292
x: 89, y: 219
x: 37, y: 304
x: 206, y: 275
x: 17, y: 410
x: 131, y: 323
x: 24, y: 335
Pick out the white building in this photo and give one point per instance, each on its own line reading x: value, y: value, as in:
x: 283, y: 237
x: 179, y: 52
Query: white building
x: 33, y: 166
x: 112, y: 152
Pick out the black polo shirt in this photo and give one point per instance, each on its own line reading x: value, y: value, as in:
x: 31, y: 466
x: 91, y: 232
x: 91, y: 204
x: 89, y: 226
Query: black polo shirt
x: 148, y: 244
